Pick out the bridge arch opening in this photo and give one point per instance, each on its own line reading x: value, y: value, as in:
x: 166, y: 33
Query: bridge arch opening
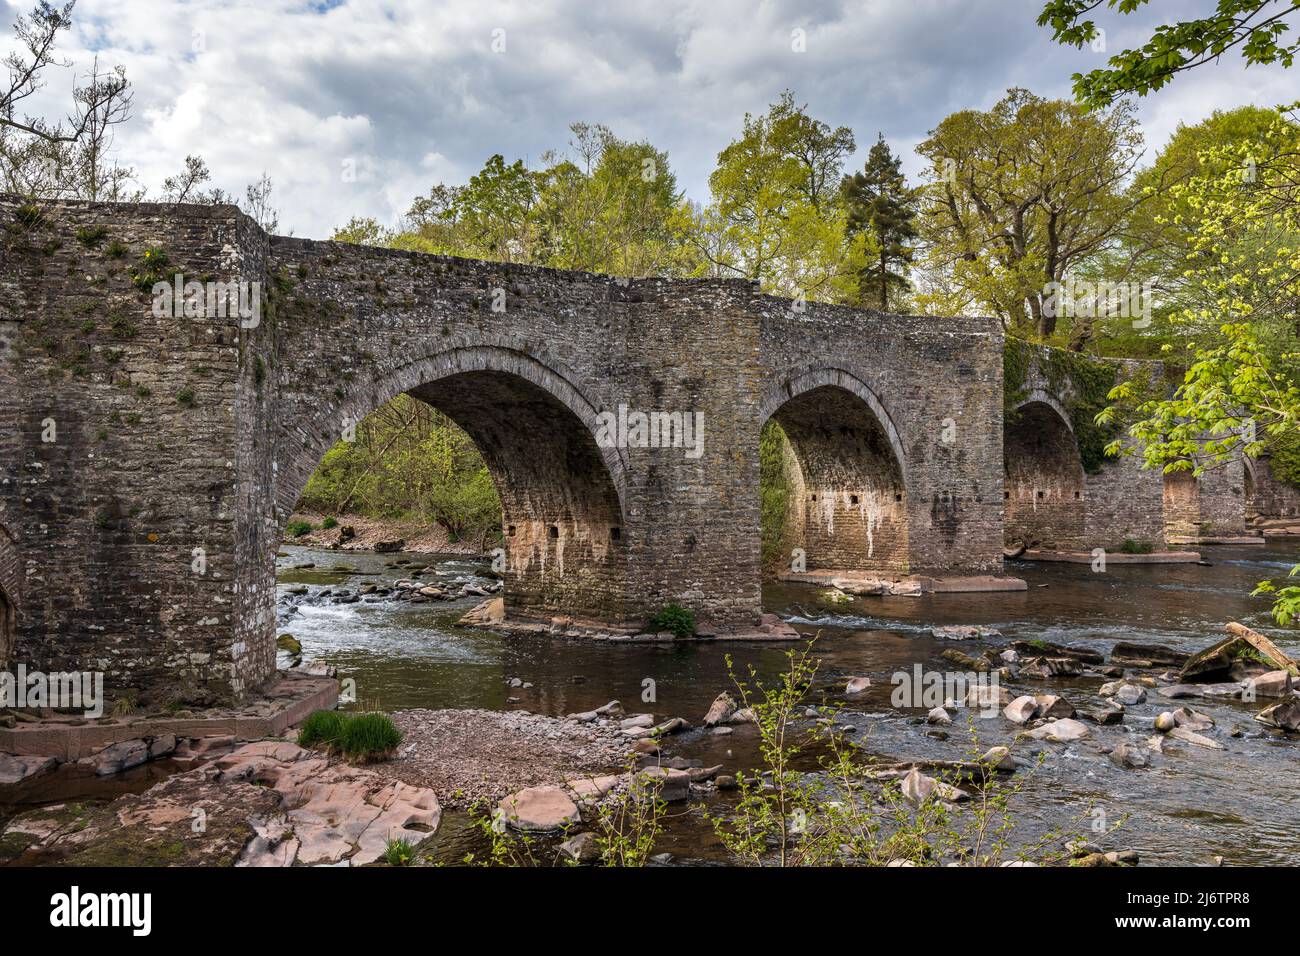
x: 562, y: 529
x: 844, y: 480
x: 1043, y: 486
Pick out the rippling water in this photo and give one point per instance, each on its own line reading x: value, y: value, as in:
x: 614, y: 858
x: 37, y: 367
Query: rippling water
x: 1192, y: 804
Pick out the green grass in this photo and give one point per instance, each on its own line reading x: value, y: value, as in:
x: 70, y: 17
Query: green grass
x: 361, y: 738
x: 369, y: 737
x: 399, y: 852
x: 322, y: 728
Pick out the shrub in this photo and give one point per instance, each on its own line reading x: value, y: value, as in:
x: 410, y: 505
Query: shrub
x: 91, y: 236
x: 676, y: 619
x: 149, y: 270
x: 369, y: 737
x: 185, y: 397
x: 322, y: 728
x: 329, y: 522
x: 116, y: 249
x: 297, y: 529
x: 1135, y: 547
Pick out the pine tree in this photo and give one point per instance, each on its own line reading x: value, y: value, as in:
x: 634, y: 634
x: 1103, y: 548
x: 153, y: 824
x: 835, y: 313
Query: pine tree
x: 879, y: 201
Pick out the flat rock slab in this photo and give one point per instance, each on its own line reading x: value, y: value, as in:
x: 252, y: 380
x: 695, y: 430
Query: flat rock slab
x: 539, y: 809
x: 265, y: 804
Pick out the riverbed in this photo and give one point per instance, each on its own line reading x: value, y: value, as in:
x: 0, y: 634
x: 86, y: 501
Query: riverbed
x: 1189, y: 807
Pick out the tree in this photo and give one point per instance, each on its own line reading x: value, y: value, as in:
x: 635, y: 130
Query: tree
x: 70, y: 157
x: 880, y: 202
x: 184, y: 186
x: 1160, y: 239
x: 1241, y: 391
x: 495, y: 209
x: 1024, y: 193
x: 773, y: 218
x: 1257, y: 29
x: 257, y: 204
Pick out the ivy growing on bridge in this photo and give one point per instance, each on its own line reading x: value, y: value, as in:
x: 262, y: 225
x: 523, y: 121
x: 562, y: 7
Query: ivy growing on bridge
x: 1081, y: 383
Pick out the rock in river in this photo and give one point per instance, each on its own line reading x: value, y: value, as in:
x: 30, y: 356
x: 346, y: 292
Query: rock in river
x: 539, y: 809
x: 1129, y: 757
x: 1063, y: 731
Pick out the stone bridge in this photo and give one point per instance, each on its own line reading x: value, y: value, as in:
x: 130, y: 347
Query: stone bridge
x: 151, y: 452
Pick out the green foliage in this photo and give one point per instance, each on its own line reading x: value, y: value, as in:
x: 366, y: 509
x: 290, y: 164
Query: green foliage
x: 296, y: 529
x: 329, y: 522
x: 398, y: 852
x: 1240, y: 394
x: 777, y: 215
x: 91, y: 236
x: 185, y: 397
x: 366, y: 738
x: 409, y: 461
x: 676, y: 619
x: 1257, y: 29
x: 150, y: 269
x: 1130, y: 546
x: 322, y: 728
x: 1083, y: 384
x: 1000, y: 231
x: 774, y: 493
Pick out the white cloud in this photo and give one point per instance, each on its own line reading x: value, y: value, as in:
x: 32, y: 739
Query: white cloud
x: 411, y: 92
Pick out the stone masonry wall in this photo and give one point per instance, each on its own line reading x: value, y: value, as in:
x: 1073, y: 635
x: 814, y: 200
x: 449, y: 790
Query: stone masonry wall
x: 119, y: 455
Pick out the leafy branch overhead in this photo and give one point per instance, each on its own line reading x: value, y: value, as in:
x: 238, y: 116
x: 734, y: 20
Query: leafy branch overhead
x: 1259, y: 31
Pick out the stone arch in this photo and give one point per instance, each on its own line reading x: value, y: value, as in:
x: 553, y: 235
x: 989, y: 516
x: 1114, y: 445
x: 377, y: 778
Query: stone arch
x: 1044, y: 483
x: 848, y: 506
x: 1250, y: 490
x: 561, y: 491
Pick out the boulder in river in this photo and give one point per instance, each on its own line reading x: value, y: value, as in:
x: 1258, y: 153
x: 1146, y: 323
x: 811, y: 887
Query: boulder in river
x: 1129, y: 757
x: 857, y: 685
x: 965, y: 661
x: 938, y: 717
x: 1063, y: 731
x: 1165, y: 722
x: 539, y: 809
x: 723, y: 706
x: 1284, y: 715
x: 583, y: 848
x: 1021, y: 710
x: 15, y: 769
x: 1190, y: 737
x: 1146, y: 655
x: 1049, y: 705
x: 388, y: 547
x: 1192, y: 720
x: 1277, y: 683
x: 918, y: 788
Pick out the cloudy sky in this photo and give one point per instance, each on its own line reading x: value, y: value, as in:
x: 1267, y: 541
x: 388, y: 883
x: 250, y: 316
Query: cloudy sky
x: 353, y: 107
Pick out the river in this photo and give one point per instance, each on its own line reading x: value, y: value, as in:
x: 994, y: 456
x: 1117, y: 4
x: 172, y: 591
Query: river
x: 1191, y: 805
